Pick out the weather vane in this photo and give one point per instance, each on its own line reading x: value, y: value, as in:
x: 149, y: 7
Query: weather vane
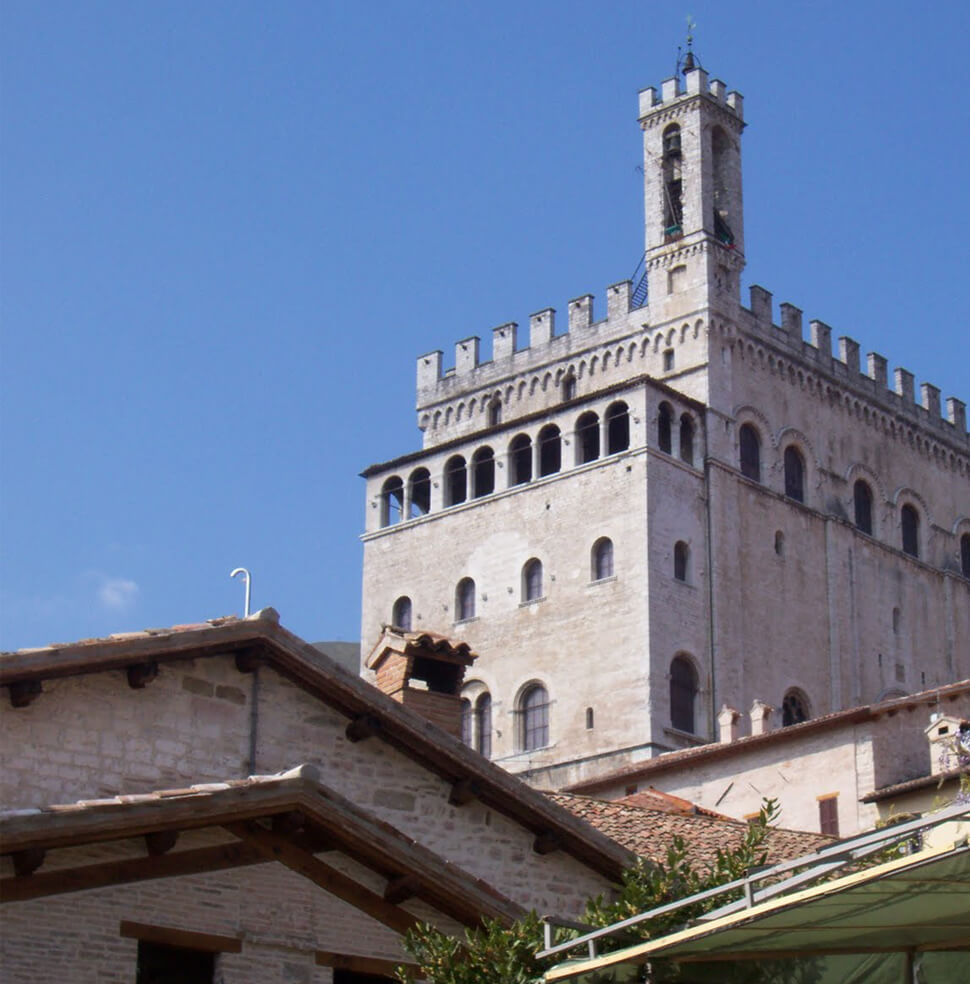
x: 687, y: 63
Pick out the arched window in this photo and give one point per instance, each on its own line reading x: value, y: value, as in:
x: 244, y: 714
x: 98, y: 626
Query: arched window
x: 617, y: 427
x: 456, y: 481
x: 483, y: 724
x: 520, y: 460
x: 664, y: 419
x: 721, y: 149
x: 533, y: 718
x: 909, y: 520
x: 587, y: 438
x: 401, y: 614
x: 495, y: 413
x: 750, y: 447
x: 687, y: 439
x: 550, y: 450
x: 965, y: 554
x: 862, y: 498
x: 673, y: 185
x: 569, y: 387
x: 681, y: 556
x: 532, y: 580
x: 794, y: 708
x: 779, y: 543
x: 601, y: 559
x: 466, y: 721
x: 392, y: 501
x: 683, y: 693
x: 483, y: 472
x: 465, y: 599
x: 794, y: 474
x: 419, y: 492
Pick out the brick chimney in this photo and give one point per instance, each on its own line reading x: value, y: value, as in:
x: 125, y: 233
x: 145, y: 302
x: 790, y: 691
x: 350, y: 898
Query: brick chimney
x: 727, y: 722
x: 946, y: 735
x: 424, y: 672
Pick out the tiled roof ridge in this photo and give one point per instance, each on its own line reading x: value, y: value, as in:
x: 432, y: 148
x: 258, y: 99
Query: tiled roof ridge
x: 919, y: 782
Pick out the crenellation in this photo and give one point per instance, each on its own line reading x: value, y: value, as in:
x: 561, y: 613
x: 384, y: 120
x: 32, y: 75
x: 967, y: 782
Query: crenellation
x: 821, y: 335
x: 696, y: 82
x: 581, y: 312
x: 791, y: 320
x: 956, y: 414
x: 542, y: 326
x: 849, y: 354
x: 761, y: 305
x: 504, y: 340
x: 904, y: 385
x: 878, y: 371
x: 618, y: 299
x: 930, y: 399
x: 669, y: 89
x: 466, y: 354
x: 736, y: 101
x: 648, y: 99
x: 718, y: 89
x: 429, y: 369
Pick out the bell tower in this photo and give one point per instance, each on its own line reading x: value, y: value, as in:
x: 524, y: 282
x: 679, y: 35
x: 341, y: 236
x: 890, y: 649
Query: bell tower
x: 692, y: 193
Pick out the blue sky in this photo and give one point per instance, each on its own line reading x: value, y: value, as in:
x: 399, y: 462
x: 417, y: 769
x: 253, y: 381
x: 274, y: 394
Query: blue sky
x: 229, y: 229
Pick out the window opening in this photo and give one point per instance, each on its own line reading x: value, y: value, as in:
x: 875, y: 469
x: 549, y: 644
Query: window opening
x: 687, y: 439
x: 828, y: 815
x: 587, y: 438
x: 401, y: 614
x: 965, y: 554
x: 862, y: 497
x: 550, y: 450
x: 532, y: 580
x: 617, y: 427
x: 602, y: 566
x: 750, y: 446
x: 794, y: 708
x: 664, y: 418
x: 419, y: 489
x: 720, y: 151
x: 392, y: 501
x: 909, y: 519
x: 794, y: 474
x: 161, y: 964
x: 779, y: 543
x: 465, y: 599
x: 668, y: 360
x: 681, y: 554
x: 483, y: 472
x: 896, y: 620
x: 483, y: 722
x: 672, y: 184
x: 494, y: 413
x: 569, y: 387
x: 534, y: 714
x: 520, y: 459
x: 589, y: 718
x: 456, y: 481
x: 683, y: 693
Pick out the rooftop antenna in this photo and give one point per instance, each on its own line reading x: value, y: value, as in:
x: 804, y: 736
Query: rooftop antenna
x: 687, y: 63
x: 249, y: 587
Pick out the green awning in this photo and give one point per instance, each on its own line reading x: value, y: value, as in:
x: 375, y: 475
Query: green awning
x: 871, y: 926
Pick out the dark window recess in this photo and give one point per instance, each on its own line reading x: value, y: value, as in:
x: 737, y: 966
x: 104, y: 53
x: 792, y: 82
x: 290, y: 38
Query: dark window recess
x: 520, y: 460
x: 532, y: 580
x: 909, y: 519
x: 617, y: 427
x: 587, y: 438
x: 420, y: 487
x: 392, y: 501
x: 750, y: 448
x: 673, y: 204
x: 401, y: 614
x: 862, y: 497
x: 483, y: 472
x: 794, y: 474
x: 965, y: 554
x: 683, y: 694
x: 687, y: 439
x: 483, y: 720
x: 569, y: 387
x: 159, y: 964
x: 602, y: 559
x: 535, y: 718
x: 722, y: 230
x: 828, y: 816
x: 664, y: 419
x: 668, y: 360
x: 465, y: 599
x: 680, y: 560
x: 456, y: 481
x: 441, y: 678
x: 589, y: 718
x: 794, y: 709
x: 494, y: 413
x: 550, y: 450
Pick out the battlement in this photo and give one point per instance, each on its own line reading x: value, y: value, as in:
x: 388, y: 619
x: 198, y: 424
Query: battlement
x: 695, y: 84
x: 874, y: 381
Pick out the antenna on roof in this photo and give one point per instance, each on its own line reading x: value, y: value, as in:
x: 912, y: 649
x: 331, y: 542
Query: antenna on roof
x: 249, y: 587
x: 688, y: 62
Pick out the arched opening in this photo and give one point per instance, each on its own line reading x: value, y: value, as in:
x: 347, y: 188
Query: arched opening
x: 483, y: 472
x: 601, y: 559
x: 687, y: 439
x: 665, y: 418
x: 465, y: 600
x: 419, y: 492
x: 750, y: 448
x: 909, y: 521
x: 779, y: 543
x: 862, y: 500
x: 495, y: 413
x: 520, y: 460
x: 683, y: 694
x: 392, y: 501
x: 533, y: 718
x: 673, y: 204
x: 587, y: 438
x: 794, y: 474
x: 617, y: 427
x: 794, y: 708
x: 483, y: 724
x: 550, y: 450
x: 589, y: 718
x: 681, y: 558
x: 568, y: 386
x: 456, y: 481
x: 965, y: 554
x: 401, y: 614
x: 721, y: 148
x: 532, y: 580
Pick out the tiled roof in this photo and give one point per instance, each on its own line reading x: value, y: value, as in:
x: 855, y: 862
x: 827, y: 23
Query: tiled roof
x: 656, y: 799
x: 911, y: 785
x: 716, y: 750
x: 650, y: 832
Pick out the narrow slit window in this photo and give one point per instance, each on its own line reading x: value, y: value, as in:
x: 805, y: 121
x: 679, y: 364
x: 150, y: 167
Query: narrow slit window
x: 532, y: 580
x: 664, y: 427
x: 794, y: 474
x: 750, y: 451
x: 683, y: 694
x: 909, y: 520
x: 862, y: 500
x: 465, y: 600
x: 687, y: 439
